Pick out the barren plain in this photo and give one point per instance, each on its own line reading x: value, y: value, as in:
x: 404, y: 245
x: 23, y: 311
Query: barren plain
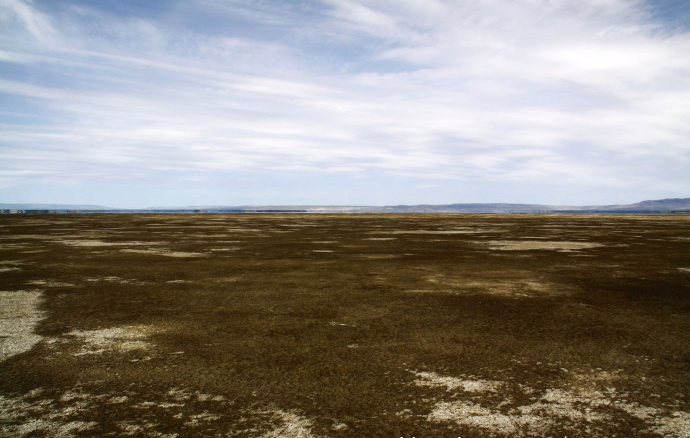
x: 345, y: 326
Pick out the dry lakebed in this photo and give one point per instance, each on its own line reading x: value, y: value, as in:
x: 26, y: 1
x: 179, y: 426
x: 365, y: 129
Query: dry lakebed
x: 427, y: 325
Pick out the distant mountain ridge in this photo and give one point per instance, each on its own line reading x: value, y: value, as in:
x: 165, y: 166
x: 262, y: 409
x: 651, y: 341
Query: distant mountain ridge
x: 648, y: 206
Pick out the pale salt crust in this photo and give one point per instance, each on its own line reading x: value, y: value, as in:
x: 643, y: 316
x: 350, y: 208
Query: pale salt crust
x: 528, y: 245
x: 585, y: 406
x: 19, y: 315
x: 163, y: 252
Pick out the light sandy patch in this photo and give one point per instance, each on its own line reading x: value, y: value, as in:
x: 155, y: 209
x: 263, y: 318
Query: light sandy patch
x: 19, y: 315
x: 322, y: 250
x: 10, y: 269
x: 454, y: 383
x: 381, y: 238
x: 378, y: 256
x: 163, y: 252
x: 684, y: 269
x: 530, y: 245
x: 288, y: 424
x: 178, y: 281
x: 118, y: 339
x: 234, y: 248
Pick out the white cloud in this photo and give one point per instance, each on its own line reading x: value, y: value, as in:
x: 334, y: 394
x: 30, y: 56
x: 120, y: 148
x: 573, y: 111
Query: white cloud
x: 578, y: 91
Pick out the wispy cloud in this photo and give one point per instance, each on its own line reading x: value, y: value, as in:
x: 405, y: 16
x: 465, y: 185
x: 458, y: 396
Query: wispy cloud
x: 587, y: 93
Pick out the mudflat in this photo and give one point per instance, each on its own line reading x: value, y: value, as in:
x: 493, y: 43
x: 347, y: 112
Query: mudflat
x: 345, y: 325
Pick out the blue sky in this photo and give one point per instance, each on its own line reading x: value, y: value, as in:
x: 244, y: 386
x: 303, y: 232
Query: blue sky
x: 136, y: 103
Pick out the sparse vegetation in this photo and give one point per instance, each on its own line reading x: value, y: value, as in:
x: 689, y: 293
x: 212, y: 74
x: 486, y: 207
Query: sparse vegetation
x: 348, y: 325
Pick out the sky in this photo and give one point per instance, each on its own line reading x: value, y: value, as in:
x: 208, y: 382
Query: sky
x: 135, y: 103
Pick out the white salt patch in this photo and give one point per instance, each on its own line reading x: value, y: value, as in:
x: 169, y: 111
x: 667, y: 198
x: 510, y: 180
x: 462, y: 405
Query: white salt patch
x: 19, y: 316
x: 9, y: 269
x: 453, y: 383
x: 321, y: 250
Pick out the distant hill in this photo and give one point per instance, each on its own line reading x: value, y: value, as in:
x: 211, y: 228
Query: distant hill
x: 671, y: 204
x: 650, y: 206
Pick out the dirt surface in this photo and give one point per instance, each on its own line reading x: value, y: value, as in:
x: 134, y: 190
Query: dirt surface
x: 345, y: 326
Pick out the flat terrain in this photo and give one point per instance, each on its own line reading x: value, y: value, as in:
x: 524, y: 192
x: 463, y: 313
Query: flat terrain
x: 345, y: 326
